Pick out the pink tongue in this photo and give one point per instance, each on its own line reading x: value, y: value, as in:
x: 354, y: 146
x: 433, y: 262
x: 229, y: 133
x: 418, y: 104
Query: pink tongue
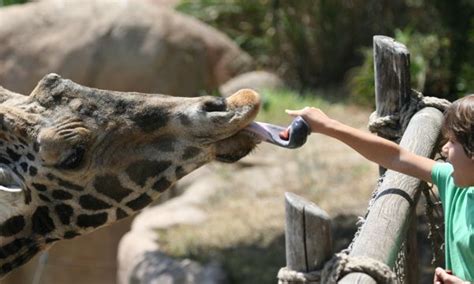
x: 266, y: 131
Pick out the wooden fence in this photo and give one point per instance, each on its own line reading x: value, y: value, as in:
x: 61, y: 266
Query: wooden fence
x: 391, y: 220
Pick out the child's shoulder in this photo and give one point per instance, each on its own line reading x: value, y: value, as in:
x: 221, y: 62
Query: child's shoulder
x: 442, y: 168
x: 441, y: 174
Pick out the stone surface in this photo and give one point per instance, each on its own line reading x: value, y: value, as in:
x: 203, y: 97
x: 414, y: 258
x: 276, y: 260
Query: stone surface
x: 117, y: 45
x: 158, y: 268
x: 140, y: 259
x: 256, y: 80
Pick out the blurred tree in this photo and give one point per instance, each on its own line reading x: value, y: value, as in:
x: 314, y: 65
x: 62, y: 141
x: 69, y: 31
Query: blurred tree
x: 457, y: 18
x: 322, y: 37
x: 314, y: 43
x: 11, y: 2
x: 310, y: 43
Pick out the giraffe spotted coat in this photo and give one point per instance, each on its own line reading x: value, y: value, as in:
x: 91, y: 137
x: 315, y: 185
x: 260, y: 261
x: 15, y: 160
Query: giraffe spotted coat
x: 73, y: 159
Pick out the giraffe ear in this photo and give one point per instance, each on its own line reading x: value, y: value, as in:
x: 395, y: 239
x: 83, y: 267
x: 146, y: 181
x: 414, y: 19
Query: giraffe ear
x: 7, y: 95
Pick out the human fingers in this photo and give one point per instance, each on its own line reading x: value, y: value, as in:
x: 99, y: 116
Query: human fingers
x: 301, y: 112
x: 316, y: 118
x: 440, y: 274
x: 446, y: 277
x: 436, y: 280
x: 294, y: 112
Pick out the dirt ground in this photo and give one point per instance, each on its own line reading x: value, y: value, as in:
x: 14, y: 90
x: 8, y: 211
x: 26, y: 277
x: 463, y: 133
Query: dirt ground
x: 245, y: 229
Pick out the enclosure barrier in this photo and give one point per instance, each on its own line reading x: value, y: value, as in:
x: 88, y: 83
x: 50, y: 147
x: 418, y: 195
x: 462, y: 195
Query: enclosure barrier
x: 387, y: 236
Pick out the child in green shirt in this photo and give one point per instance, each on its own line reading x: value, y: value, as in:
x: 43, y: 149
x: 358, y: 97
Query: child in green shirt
x: 454, y: 179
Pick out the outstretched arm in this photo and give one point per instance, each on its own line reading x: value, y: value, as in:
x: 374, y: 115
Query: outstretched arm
x: 379, y: 150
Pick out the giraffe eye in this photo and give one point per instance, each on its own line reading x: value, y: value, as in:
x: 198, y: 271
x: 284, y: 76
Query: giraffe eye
x: 73, y: 160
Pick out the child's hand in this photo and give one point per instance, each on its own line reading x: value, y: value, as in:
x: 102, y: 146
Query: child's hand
x: 445, y: 277
x: 316, y: 118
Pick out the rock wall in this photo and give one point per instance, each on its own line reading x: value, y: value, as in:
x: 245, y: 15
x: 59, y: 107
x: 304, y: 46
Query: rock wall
x: 117, y: 45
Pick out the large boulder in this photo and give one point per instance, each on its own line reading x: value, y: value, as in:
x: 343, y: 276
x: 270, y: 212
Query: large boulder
x: 140, y: 257
x: 257, y: 80
x: 155, y: 267
x: 119, y: 45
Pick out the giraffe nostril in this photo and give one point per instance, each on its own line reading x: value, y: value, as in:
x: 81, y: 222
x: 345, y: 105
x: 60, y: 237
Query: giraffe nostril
x: 216, y: 104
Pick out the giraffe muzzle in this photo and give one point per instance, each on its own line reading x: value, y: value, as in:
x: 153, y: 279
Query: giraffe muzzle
x: 298, y: 132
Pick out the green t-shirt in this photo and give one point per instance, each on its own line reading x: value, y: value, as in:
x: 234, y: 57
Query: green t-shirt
x: 458, y: 206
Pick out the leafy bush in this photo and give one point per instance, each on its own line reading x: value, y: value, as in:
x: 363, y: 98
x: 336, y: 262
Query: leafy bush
x: 314, y: 43
x: 11, y: 2
x: 361, y: 80
x: 427, y: 52
x: 309, y: 43
x: 248, y: 23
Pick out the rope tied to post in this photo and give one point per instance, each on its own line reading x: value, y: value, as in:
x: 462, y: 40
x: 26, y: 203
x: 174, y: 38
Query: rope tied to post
x: 340, y: 265
x: 391, y: 126
x: 286, y: 275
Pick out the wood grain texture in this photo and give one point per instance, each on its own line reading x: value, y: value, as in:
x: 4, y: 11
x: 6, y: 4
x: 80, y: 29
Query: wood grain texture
x: 392, y: 76
x: 389, y: 218
x: 308, y: 234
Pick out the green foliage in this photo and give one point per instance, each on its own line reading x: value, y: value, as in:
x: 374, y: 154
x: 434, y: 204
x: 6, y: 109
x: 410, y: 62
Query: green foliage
x: 458, y: 26
x: 465, y: 84
x: 466, y: 81
x: 309, y: 43
x: 427, y: 52
x: 11, y: 2
x: 361, y: 80
x: 276, y: 101
x: 246, y: 22
x: 314, y: 43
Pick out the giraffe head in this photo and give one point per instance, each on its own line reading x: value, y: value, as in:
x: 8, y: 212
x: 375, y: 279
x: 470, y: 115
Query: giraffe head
x: 77, y: 158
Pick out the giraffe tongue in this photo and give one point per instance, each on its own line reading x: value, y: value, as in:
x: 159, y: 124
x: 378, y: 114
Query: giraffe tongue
x: 298, y: 132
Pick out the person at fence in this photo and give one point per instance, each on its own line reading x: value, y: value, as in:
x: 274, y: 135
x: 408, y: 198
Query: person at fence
x: 454, y: 178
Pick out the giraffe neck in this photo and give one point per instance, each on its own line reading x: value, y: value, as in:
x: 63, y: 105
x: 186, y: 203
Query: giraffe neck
x: 53, y: 208
x: 17, y: 244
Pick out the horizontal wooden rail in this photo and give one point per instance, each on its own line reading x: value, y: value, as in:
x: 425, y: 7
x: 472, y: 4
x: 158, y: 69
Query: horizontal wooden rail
x: 386, y: 224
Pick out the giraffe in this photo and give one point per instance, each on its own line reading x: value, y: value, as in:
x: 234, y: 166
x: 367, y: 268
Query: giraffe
x: 73, y: 158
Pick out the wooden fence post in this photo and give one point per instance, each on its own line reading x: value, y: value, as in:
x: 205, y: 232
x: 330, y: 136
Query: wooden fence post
x: 308, y: 238
x: 390, y: 215
x: 392, y: 84
x: 392, y: 80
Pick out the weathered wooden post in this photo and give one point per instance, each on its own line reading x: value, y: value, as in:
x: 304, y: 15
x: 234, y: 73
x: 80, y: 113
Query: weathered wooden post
x: 390, y: 215
x: 308, y: 236
x: 392, y: 81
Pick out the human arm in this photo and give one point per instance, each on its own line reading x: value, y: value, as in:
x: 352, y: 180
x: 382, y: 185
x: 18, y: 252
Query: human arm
x: 379, y: 150
x: 442, y: 276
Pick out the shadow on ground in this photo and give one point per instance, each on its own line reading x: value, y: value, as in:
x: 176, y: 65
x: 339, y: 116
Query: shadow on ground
x: 257, y: 264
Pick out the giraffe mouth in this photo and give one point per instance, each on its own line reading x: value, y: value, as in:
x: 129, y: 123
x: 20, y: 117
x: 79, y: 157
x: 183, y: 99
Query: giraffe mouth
x: 243, y: 107
x: 237, y: 146
x: 8, y: 182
